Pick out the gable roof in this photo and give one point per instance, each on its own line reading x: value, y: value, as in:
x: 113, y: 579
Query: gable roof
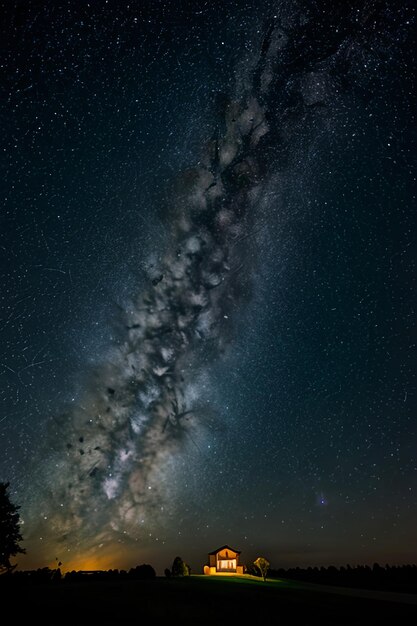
x: 224, y: 547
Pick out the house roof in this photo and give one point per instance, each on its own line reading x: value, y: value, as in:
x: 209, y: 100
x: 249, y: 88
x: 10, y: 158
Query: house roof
x: 222, y: 548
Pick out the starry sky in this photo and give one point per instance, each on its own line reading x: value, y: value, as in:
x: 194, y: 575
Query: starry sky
x: 208, y: 280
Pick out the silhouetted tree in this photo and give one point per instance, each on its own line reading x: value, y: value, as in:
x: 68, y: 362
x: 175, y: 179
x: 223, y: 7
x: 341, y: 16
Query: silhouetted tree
x: 167, y: 572
x: 263, y: 565
x: 142, y: 572
x: 179, y: 568
x: 56, y: 575
x: 9, y: 530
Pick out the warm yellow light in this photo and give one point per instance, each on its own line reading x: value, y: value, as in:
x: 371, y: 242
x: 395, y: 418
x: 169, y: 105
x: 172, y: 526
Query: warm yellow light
x: 90, y: 564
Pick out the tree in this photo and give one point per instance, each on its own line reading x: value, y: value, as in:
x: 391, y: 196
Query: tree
x: 9, y: 530
x: 142, y: 572
x: 262, y: 564
x: 179, y: 568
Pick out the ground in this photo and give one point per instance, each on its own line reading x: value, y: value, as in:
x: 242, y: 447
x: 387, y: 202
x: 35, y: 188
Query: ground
x: 205, y: 600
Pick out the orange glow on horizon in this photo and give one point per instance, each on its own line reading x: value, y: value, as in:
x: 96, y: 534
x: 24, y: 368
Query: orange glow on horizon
x: 89, y: 564
x: 110, y: 557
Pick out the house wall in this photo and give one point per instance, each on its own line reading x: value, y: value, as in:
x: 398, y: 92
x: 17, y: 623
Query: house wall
x: 227, y: 554
x: 211, y: 571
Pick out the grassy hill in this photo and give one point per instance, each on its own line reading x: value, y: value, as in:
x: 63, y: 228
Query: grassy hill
x: 197, y: 600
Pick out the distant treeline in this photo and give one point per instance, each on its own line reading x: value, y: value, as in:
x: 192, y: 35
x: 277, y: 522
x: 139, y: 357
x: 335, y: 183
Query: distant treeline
x: 389, y: 578
x: 47, y: 575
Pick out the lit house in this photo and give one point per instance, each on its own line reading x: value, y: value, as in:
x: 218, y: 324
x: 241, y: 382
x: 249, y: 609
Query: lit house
x: 224, y: 560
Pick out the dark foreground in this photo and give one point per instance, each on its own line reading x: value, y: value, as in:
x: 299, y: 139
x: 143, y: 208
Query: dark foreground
x: 201, y: 600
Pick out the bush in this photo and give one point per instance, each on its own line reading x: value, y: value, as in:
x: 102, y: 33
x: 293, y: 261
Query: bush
x: 179, y: 568
x: 142, y: 572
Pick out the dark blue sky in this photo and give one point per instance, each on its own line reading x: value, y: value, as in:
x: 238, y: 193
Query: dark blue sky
x: 300, y: 376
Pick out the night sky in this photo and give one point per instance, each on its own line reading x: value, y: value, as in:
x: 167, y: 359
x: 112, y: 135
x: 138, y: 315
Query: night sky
x: 208, y: 280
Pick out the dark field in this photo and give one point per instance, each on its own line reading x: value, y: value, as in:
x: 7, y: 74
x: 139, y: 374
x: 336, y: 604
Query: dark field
x: 200, y: 600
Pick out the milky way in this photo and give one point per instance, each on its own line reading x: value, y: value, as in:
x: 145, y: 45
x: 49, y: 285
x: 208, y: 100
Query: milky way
x: 140, y: 403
